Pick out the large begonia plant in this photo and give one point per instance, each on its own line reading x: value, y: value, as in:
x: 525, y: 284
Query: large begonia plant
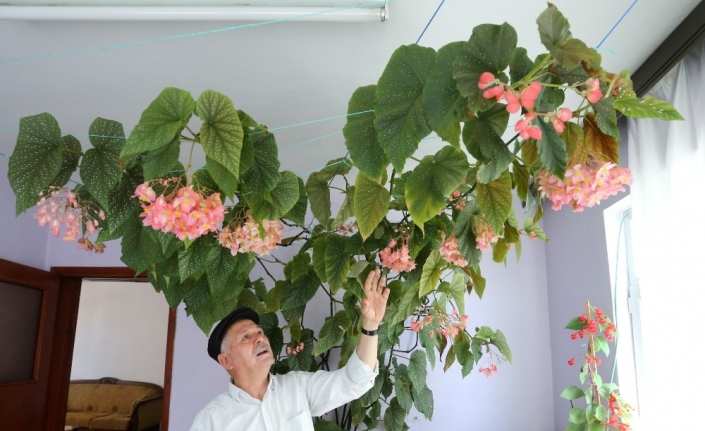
x: 199, y: 233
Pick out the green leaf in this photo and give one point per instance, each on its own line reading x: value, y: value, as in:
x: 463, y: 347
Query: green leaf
x: 550, y: 98
x: 194, y: 259
x: 319, y: 257
x: 121, y: 206
x: 461, y: 345
x: 577, y: 415
x: 575, y: 52
x: 394, y: 416
x: 303, y: 360
x: 70, y: 154
x: 606, y: 116
x: 139, y: 249
x: 247, y: 154
x: 429, y: 341
x: 274, y: 204
x: 495, y: 200
x: 339, y: 166
x: 347, y: 210
x: 576, y: 427
x: 297, y: 267
x: 432, y: 181
x: 372, y: 395
x: 332, y: 331
x: 604, y: 345
x: 450, y: 358
x: 161, y: 161
x: 221, y: 133
x: 324, y: 425
x: 402, y: 387
x: 297, y: 214
x: 520, y: 66
x: 360, y: 133
x: 554, y: 29
x: 300, y: 292
x: 161, y: 122
x: 520, y: 175
x: 573, y: 136
x: 100, y: 167
x: 490, y: 49
x: 629, y: 104
x: 337, y: 261
x: 597, y: 426
x: 478, y: 282
x: 457, y: 290
x: 551, y: 148
x: 443, y: 103
x: 408, y: 303
x: 36, y: 159
x: 601, y: 413
x: 264, y: 173
x: 220, y: 264
x: 572, y: 393
x: 432, y: 270
x: 423, y: 400
x: 399, y: 115
x: 531, y: 227
x: 500, y: 341
x: 467, y: 243
x: 226, y: 181
x: 417, y: 369
x: 371, y: 201
x: 319, y: 196
x: 482, y: 138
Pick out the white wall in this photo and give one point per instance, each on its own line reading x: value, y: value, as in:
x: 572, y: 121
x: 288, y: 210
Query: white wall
x: 121, y: 332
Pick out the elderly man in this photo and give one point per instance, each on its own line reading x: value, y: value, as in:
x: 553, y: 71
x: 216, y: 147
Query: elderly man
x: 256, y: 400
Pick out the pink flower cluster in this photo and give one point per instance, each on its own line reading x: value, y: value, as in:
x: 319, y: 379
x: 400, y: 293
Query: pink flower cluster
x: 451, y: 254
x: 593, y: 93
x: 347, y: 228
x: 584, y: 185
x: 62, y: 207
x: 449, y: 325
x: 397, y: 259
x: 494, y: 88
x: 484, y: 235
x: 185, y: 213
x: 246, y: 238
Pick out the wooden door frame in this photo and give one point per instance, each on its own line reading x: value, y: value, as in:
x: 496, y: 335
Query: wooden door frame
x: 71, y: 278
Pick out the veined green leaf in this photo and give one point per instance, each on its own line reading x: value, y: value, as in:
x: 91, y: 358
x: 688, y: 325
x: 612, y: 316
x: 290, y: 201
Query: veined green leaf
x: 432, y: 270
x: 360, y: 134
x: 399, y: 116
x: 298, y: 213
x: 264, y: 173
x: 432, y: 181
x: 161, y: 122
x: 495, y: 200
x: 443, y: 103
x: 337, y: 261
x: 159, y: 162
x: 332, y: 331
x: 490, y: 49
x: 457, y: 290
x: 36, y: 159
x: 371, y: 202
x: 552, y: 149
x: 221, y: 133
x: 629, y: 104
x: 319, y: 196
x: 274, y: 204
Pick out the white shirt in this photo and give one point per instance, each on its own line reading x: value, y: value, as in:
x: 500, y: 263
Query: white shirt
x: 290, y: 402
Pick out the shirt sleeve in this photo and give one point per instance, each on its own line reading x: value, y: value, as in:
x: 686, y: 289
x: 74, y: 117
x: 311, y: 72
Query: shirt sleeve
x: 327, y: 390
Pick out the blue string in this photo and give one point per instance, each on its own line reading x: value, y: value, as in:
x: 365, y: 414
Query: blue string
x: 177, y: 36
x: 616, y: 24
x: 430, y: 21
x: 291, y: 147
x: 305, y: 123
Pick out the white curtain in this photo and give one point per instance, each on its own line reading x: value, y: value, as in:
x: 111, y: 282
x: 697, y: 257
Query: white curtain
x: 668, y: 207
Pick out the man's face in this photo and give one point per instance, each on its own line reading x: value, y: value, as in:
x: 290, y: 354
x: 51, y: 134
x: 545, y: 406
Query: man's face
x: 247, y: 348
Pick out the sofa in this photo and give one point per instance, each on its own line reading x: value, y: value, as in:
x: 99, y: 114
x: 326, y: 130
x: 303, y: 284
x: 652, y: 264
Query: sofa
x: 109, y: 404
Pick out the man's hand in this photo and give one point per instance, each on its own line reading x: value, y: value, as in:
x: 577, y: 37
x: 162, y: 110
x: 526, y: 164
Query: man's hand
x: 374, y: 305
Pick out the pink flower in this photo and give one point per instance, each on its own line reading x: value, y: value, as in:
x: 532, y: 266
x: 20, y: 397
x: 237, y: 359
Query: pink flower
x: 145, y: 193
x: 528, y: 96
x: 593, y: 92
x: 486, y: 80
x: 451, y: 254
x: 525, y: 129
x: 494, y: 92
x: 513, y: 105
x: 397, y: 259
x: 484, y: 235
x: 246, y: 238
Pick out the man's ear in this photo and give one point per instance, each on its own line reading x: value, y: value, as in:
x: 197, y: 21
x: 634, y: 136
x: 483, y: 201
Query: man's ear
x: 225, y: 362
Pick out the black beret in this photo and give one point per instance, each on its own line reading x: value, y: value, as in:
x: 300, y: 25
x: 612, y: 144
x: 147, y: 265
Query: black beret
x: 216, y: 338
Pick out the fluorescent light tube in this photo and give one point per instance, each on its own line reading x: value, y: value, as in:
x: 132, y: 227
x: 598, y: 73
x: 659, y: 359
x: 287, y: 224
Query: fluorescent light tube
x: 185, y: 13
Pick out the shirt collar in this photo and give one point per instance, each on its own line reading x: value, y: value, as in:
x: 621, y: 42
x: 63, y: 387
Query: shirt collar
x: 243, y: 397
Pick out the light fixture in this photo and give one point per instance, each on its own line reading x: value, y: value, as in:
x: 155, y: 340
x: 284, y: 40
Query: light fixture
x: 371, y: 11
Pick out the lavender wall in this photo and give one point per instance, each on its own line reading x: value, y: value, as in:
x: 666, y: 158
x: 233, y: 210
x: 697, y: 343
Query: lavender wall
x: 576, y: 270
x: 21, y: 240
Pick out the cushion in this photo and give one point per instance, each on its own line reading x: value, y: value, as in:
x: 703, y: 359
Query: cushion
x: 106, y: 398
x: 113, y: 421
x: 82, y: 419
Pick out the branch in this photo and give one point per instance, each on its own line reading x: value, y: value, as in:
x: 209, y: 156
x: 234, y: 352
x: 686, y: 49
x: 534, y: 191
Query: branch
x: 266, y: 270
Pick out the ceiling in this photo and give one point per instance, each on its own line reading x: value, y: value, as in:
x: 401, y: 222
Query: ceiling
x: 282, y: 74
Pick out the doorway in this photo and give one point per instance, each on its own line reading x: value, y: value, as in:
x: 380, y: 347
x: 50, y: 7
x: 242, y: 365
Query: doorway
x: 71, y: 282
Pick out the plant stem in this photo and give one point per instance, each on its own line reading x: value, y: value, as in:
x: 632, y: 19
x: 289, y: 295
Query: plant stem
x: 266, y: 270
x: 591, y: 353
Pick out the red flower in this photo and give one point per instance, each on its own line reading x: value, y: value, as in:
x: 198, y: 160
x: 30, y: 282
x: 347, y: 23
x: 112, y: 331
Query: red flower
x: 571, y: 361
